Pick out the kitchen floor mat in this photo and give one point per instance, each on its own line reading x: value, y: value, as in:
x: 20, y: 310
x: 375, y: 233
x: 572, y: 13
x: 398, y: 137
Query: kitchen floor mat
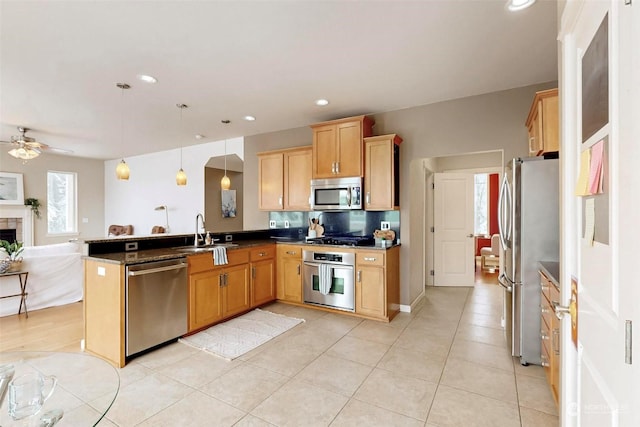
x: 237, y: 336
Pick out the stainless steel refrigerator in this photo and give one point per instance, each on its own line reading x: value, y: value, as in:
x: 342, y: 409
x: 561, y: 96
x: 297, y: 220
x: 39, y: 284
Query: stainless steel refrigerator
x: 528, y: 218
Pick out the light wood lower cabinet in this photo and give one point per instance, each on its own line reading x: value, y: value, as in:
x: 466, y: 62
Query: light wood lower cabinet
x: 550, y: 334
x: 377, y: 283
x: 104, y: 319
x: 263, y: 275
x: 219, y: 292
x: 289, y: 283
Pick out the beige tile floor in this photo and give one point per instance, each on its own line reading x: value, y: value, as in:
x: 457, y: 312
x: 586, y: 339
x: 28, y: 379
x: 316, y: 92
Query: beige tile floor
x: 444, y: 364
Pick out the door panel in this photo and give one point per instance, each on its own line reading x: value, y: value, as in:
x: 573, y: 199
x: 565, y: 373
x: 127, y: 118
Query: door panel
x: 454, y: 262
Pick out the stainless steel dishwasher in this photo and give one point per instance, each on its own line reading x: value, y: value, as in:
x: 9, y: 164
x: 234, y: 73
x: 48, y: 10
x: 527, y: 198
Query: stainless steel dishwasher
x: 155, y: 303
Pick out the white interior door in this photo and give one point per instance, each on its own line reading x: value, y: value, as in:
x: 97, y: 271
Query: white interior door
x: 454, y: 263
x: 599, y: 387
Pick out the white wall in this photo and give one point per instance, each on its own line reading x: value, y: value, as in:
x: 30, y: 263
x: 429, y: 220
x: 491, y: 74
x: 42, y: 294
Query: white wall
x: 152, y: 183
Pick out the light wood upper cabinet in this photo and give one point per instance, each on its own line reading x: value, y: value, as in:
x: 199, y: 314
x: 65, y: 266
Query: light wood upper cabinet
x: 543, y: 123
x: 289, y: 273
x: 270, y: 181
x: 284, y: 179
x: 382, y: 167
x: 337, y: 147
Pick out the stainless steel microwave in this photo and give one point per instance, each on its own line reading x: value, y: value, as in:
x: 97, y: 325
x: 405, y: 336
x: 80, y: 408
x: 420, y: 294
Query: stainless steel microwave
x: 336, y: 194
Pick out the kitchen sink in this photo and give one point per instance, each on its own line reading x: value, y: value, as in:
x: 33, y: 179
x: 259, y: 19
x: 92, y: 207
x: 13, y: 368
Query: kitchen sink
x: 194, y: 249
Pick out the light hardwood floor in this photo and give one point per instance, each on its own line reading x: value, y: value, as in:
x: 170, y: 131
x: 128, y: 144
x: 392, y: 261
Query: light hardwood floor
x: 51, y: 329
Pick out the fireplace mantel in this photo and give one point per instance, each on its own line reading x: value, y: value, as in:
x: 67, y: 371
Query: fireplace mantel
x: 24, y: 213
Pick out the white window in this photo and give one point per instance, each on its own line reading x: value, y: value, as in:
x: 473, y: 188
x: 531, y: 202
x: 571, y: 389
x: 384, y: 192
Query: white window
x: 481, y: 207
x: 62, y: 210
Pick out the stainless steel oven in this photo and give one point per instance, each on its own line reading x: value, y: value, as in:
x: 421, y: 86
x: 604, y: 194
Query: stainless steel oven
x: 339, y: 266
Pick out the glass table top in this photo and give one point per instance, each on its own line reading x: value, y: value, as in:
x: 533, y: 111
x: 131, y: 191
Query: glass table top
x: 87, y: 386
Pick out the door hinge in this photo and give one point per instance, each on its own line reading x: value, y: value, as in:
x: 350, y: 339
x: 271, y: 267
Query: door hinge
x: 627, y: 2
x: 432, y: 273
x: 433, y: 229
x: 433, y: 185
x: 628, y: 342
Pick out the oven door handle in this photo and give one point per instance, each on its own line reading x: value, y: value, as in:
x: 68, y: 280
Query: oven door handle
x: 333, y: 265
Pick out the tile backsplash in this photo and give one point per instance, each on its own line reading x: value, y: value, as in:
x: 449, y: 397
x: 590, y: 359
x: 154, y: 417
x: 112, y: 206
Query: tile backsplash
x: 357, y: 223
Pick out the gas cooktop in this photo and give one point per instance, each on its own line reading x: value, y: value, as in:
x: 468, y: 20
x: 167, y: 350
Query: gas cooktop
x: 343, y: 240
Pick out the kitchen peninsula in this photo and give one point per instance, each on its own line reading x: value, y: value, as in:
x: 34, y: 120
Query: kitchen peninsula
x: 200, y: 293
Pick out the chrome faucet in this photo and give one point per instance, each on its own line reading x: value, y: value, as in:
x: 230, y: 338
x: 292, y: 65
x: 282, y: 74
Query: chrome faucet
x: 197, y: 234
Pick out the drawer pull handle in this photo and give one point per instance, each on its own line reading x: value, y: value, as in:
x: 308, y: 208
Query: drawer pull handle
x: 359, y: 279
x: 369, y: 258
x: 298, y: 269
x: 291, y: 252
x: 544, y: 336
x: 262, y: 254
x: 544, y: 310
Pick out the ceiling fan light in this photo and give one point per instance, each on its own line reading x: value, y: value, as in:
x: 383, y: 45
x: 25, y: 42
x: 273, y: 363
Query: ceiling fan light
x: 181, y: 177
x: 225, y: 182
x: 515, y: 5
x: 122, y: 171
x: 24, y: 153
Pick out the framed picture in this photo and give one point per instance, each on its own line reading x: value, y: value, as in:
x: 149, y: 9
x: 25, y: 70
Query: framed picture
x: 228, y: 203
x: 11, y: 189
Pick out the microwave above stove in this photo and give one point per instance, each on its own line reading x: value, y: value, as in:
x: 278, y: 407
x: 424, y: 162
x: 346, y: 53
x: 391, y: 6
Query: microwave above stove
x: 336, y: 194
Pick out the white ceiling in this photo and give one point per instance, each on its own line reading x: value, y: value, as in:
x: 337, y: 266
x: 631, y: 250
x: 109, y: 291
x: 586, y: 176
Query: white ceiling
x: 60, y: 62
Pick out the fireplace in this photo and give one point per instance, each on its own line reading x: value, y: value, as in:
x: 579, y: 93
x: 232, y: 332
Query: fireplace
x: 18, y: 221
x: 8, y: 234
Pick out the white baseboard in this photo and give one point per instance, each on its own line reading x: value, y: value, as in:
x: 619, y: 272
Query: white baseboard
x: 409, y: 308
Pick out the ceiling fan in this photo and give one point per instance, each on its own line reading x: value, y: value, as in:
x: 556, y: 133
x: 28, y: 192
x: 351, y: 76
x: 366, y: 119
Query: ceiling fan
x: 27, y: 148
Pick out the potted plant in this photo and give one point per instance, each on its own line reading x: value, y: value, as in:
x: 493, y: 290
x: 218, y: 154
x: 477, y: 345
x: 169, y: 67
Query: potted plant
x: 13, y: 251
x: 35, y: 206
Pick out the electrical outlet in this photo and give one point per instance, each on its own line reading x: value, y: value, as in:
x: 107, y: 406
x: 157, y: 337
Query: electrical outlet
x: 385, y: 225
x: 228, y: 237
x: 272, y: 223
x: 286, y: 224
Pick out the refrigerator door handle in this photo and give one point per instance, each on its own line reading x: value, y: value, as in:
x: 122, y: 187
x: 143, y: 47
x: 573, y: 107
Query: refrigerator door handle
x: 505, y: 282
x: 501, y: 213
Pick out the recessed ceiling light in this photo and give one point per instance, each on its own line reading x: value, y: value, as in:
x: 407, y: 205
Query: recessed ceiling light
x: 249, y: 118
x: 147, y: 79
x: 322, y: 102
x: 515, y: 5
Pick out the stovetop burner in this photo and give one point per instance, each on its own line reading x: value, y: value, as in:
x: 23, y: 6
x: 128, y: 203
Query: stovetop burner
x: 343, y: 240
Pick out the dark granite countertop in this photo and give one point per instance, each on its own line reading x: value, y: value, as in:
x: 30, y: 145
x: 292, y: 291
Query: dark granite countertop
x: 315, y: 245
x: 551, y: 269
x: 137, y: 257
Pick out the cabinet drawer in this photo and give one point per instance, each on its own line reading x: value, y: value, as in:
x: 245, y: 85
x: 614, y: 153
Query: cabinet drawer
x: 263, y: 252
x: 237, y: 256
x: 545, y: 286
x: 370, y: 258
x: 288, y: 251
x: 200, y: 262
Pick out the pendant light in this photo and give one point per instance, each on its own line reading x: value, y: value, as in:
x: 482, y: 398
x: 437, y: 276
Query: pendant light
x: 181, y: 177
x: 225, y: 182
x: 122, y: 170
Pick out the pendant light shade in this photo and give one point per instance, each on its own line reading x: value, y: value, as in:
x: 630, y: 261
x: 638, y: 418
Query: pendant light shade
x: 181, y: 177
x: 225, y: 182
x: 122, y: 170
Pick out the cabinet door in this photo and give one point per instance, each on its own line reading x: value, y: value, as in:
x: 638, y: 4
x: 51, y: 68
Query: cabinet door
x: 324, y: 151
x: 263, y: 286
x: 370, y: 292
x: 550, y: 125
x: 378, y: 181
x: 270, y: 181
x: 535, y: 132
x: 204, y: 298
x: 349, y: 149
x: 297, y: 183
x: 235, y: 290
x: 290, y: 280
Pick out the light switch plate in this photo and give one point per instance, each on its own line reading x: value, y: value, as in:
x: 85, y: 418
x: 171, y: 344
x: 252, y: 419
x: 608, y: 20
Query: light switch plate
x: 385, y: 225
x: 272, y: 223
